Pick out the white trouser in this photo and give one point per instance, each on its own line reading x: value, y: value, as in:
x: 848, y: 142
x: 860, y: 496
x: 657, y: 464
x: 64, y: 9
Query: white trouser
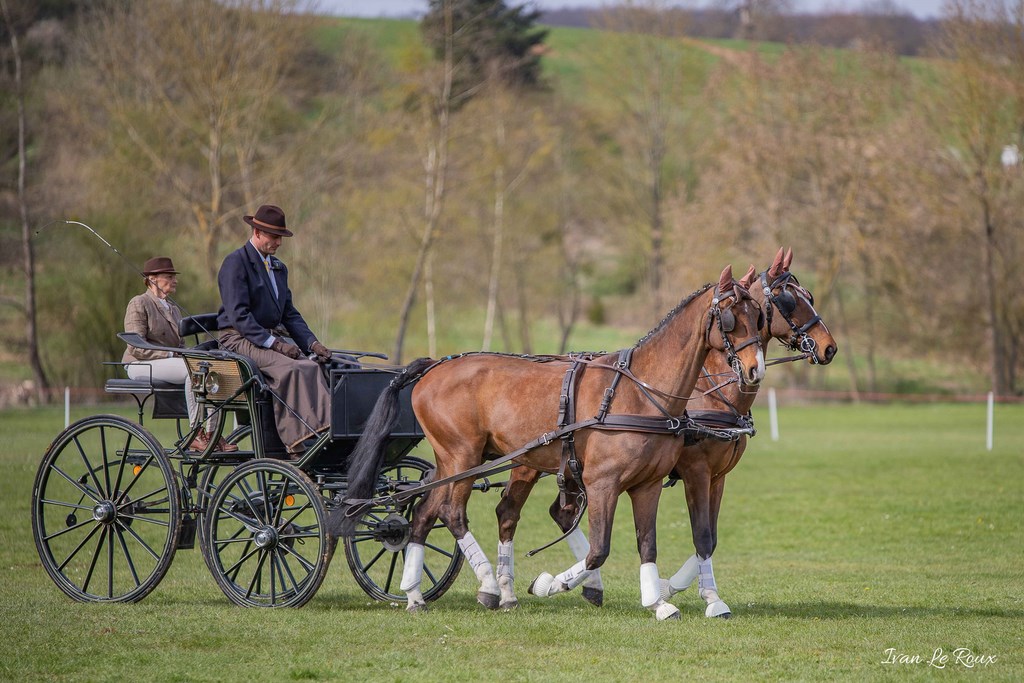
x: 171, y: 370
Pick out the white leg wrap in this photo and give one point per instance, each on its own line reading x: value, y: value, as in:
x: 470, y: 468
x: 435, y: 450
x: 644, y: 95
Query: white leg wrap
x: 709, y: 591
x: 706, y: 581
x: 580, y: 547
x: 650, y: 591
x: 506, y: 560
x: 506, y: 576
x: 480, y: 564
x: 574, y: 575
x: 412, y: 573
x: 682, y: 579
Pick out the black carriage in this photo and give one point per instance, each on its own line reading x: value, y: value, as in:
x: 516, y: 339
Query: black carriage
x: 111, y: 505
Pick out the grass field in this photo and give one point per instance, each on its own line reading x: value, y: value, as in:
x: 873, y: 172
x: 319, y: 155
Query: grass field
x: 864, y: 528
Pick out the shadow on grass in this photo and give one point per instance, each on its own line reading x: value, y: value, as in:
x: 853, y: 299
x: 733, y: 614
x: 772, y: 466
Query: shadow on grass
x: 847, y: 610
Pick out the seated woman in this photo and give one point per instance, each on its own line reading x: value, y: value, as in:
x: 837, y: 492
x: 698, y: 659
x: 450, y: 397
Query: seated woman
x: 155, y: 319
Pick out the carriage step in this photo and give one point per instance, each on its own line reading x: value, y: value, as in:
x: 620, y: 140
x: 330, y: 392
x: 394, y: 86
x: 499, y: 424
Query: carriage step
x: 187, y: 539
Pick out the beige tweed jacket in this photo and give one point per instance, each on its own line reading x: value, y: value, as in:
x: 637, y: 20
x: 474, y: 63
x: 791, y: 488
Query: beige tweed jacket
x: 155, y: 323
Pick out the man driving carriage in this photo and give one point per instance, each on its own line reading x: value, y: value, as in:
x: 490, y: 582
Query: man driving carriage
x: 255, y: 315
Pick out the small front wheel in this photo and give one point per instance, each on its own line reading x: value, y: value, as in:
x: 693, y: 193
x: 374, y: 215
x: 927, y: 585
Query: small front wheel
x: 265, y: 536
x: 106, y: 511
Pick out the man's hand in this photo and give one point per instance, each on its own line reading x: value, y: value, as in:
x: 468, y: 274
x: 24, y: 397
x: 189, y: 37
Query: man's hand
x: 285, y: 349
x: 323, y: 354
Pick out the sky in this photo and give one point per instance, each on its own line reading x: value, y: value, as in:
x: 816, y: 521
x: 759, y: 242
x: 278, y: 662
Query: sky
x: 392, y: 8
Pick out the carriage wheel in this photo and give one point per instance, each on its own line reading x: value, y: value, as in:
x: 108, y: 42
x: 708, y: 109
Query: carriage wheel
x: 265, y: 536
x: 374, y: 549
x: 106, y: 511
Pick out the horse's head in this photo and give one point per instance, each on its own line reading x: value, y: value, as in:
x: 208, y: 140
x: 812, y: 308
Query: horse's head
x: 734, y: 328
x: 791, y: 315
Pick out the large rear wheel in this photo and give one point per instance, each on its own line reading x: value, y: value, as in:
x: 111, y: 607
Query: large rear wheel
x: 378, y: 543
x: 265, y: 537
x: 106, y: 511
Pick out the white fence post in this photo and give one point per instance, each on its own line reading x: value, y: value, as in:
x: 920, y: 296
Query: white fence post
x: 773, y: 414
x: 989, y: 421
x: 67, y: 406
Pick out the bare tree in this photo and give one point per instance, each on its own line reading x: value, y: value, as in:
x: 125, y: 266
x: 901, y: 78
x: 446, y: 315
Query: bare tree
x: 982, y: 112
x: 28, y: 307
x: 193, y: 88
x: 436, y: 105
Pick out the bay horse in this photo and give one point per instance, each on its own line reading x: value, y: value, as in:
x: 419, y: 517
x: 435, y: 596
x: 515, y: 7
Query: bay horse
x: 792, y: 319
x: 483, y: 406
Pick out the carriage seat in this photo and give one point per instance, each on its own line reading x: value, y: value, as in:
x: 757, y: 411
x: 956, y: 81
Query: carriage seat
x: 197, y: 326
x: 169, y: 400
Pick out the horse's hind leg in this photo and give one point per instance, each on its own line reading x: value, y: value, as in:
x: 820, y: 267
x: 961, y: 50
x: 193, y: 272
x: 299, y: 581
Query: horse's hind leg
x: 453, y: 514
x: 423, y: 518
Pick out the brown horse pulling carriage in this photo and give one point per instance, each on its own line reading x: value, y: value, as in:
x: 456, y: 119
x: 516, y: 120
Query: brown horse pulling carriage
x: 478, y: 411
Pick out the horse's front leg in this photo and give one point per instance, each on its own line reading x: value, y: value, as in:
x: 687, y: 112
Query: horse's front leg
x: 645, y: 516
x: 565, y: 516
x: 602, y: 513
x: 700, y: 494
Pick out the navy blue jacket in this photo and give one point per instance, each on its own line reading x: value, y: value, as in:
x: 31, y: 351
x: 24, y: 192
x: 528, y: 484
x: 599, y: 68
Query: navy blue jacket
x: 248, y: 303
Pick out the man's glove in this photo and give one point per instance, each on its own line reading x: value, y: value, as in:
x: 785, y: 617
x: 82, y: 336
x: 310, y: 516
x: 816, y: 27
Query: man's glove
x: 286, y: 349
x: 323, y: 354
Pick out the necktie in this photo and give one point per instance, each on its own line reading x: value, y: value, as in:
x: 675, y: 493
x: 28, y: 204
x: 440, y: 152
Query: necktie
x: 270, y: 274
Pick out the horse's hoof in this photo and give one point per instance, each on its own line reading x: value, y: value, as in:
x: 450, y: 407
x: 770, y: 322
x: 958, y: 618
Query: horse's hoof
x: 488, y: 600
x: 718, y: 609
x: 595, y: 596
x: 417, y: 608
x: 508, y: 605
x: 541, y: 585
x: 666, y: 610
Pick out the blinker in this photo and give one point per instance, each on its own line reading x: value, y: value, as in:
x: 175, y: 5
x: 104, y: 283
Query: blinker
x: 728, y: 320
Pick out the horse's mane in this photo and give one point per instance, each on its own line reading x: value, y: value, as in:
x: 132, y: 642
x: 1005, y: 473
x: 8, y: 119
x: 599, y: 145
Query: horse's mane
x: 671, y: 314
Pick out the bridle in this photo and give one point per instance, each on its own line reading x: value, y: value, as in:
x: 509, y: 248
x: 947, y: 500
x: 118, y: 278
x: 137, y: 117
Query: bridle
x: 725, y: 320
x: 785, y: 303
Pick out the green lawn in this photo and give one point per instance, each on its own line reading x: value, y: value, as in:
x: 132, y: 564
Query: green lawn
x: 864, y: 528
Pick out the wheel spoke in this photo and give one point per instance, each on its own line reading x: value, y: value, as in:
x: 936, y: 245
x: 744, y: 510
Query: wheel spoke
x: 61, y: 503
x: 257, y: 576
x: 391, y: 572
x: 88, y: 468
x: 110, y: 560
x: 369, y: 565
x: 128, y: 558
x: 147, y: 520
x: 60, y: 567
x: 95, y: 557
x: 142, y: 542
x: 138, y: 477
x: 120, y: 465
x: 284, y: 570
x: 307, y: 565
x: 70, y: 528
x: 233, y: 570
x: 97, y: 496
x: 106, y: 468
x: 440, y: 550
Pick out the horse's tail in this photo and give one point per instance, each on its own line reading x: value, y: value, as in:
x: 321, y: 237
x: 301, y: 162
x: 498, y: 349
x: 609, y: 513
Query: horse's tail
x: 368, y: 455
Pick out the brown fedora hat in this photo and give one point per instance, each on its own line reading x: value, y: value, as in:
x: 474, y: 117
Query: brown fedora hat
x: 269, y: 218
x: 158, y: 265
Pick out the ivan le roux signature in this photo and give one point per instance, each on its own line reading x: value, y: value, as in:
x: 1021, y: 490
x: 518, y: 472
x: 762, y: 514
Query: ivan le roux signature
x: 962, y: 656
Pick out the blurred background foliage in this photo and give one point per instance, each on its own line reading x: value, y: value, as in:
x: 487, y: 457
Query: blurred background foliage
x: 586, y: 183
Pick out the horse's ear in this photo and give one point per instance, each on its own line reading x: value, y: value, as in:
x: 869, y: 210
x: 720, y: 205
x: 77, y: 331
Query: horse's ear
x: 725, y: 281
x: 788, y: 260
x: 776, y: 267
x: 748, y: 279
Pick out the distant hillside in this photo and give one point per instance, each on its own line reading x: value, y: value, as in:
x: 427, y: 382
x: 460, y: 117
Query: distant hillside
x: 905, y: 34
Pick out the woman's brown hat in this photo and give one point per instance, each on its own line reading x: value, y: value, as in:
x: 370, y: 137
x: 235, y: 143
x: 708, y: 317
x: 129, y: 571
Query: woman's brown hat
x: 269, y: 218
x: 158, y: 265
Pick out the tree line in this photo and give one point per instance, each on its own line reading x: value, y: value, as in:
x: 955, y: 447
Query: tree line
x: 479, y: 181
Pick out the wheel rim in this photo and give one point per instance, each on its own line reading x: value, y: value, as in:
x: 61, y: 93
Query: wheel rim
x: 376, y: 549
x: 106, y: 511
x: 265, y: 536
